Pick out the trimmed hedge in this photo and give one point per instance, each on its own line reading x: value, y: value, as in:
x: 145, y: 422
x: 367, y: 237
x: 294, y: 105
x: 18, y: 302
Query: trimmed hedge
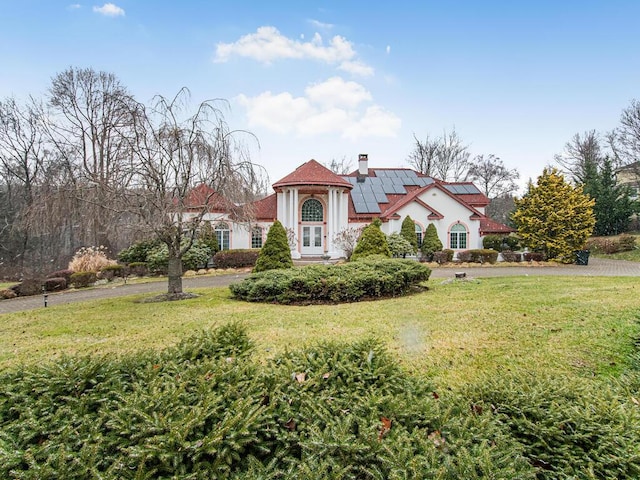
x: 513, y: 257
x: 54, y: 284
x: 238, y: 258
x: 139, y: 269
x: 534, y: 256
x: 28, y: 287
x: 623, y: 243
x: 364, y: 279
x: 83, y: 279
x: 111, y: 271
x: 478, y: 256
x: 65, y: 273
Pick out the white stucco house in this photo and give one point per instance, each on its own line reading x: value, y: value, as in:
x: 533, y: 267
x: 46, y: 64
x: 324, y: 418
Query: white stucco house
x: 314, y: 204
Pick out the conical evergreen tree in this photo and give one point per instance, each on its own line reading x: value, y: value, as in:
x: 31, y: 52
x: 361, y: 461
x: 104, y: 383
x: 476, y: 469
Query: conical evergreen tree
x: 371, y: 242
x: 554, y: 217
x: 614, y: 207
x: 408, y: 231
x: 431, y: 243
x: 275, y: 252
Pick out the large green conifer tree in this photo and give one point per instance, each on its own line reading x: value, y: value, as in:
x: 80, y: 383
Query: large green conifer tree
x: 554, y: 217
x: 275, y: 252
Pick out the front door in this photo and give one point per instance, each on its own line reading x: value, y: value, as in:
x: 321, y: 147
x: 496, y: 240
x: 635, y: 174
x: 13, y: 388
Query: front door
x: 312, y: 240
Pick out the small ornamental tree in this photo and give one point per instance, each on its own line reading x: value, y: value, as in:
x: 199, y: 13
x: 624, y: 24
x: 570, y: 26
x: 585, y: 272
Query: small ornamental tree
x: 275, y: 252
x: 430, y: 243
x: 408, y: 231
x: 372, y: 242
x: 554, y: 217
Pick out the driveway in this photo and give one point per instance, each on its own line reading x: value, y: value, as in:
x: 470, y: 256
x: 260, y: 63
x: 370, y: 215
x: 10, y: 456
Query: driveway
x: 597, y: 268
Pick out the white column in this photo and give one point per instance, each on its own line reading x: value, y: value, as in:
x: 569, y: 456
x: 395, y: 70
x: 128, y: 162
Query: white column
x: 331, y: 220
x: 295, y: 253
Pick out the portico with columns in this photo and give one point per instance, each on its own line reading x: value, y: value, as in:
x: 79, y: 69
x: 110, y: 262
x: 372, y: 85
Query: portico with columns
x: 313, y: 206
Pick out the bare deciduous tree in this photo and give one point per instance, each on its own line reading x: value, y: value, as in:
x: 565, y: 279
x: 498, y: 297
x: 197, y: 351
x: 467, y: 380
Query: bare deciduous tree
x: 89, y: 125
x: 491, y: 175
x: 628, y: 133
x: 172, y: 155
x: 582, y: 155
x: 446, y: 157
x: 340, y: 167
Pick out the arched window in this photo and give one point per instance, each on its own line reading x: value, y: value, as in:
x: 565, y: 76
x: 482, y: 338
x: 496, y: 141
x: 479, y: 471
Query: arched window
x: 312, y: 211
x: 458, y: 236
x: 223, y: 236
x: 256, y: 237
x: 419, y: 234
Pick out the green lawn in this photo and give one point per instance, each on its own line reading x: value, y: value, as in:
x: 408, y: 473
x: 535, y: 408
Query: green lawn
x: 570, y: 326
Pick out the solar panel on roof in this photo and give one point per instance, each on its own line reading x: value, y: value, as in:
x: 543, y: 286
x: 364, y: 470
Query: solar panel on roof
x: 373, y: 207
x: 380, y: 173
x: 381, y: 198
x: 473, y: 189
x: 360, y: 207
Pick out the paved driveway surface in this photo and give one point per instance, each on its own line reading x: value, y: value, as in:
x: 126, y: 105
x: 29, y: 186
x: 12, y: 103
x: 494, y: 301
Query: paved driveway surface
x: 597, y: 268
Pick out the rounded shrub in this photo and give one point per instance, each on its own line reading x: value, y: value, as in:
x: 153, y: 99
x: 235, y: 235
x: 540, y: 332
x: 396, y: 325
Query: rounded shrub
x: 138, y: 251
x: 236, y: 258
x: 54, y: 284
x: 371, y: 242
x: 28, y: 287
x: 399, y: 245
x: 111, y: 271
x: 139, y: 269
x: 372, y: 277
x: 66, y: 274
x: 275, y: 254
x: 7, y: 293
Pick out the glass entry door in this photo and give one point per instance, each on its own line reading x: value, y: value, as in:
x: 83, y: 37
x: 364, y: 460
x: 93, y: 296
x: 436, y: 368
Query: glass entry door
x: 312, y: 240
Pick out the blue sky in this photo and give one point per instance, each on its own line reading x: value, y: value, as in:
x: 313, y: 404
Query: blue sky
x: 332, y: 79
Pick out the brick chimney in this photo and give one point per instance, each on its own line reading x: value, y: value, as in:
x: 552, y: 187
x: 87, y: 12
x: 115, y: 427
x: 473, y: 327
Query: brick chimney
x: 363, y: 165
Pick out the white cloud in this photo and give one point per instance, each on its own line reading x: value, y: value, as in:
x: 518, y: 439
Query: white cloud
x: 74, y: 6
x: 357, y: 68
x: 388, y: 49
x: 331, y: 107
x: 109, y: 10
x: 336, y: 92
x: 267, y: 44
x: 321, y: 25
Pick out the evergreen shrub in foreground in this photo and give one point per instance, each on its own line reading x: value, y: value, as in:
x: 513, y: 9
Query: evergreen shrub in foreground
x: 212, y: 407
x: 207, y: 409
x: 364, y: 279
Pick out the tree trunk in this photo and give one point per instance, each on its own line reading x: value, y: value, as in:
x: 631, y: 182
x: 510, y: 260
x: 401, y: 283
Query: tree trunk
x: 175, y: 275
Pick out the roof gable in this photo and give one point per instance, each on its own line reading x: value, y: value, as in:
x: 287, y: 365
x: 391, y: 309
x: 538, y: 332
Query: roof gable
x: 312, y: 173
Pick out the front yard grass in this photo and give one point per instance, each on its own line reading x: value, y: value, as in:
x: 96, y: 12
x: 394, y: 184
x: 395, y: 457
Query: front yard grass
x: 581, y: 326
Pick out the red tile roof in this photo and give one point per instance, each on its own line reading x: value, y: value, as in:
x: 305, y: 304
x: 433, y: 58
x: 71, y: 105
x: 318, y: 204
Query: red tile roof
x: 204, y: 196
x: 266, y: 209
x: 488, y: 226
x: 312, y: 173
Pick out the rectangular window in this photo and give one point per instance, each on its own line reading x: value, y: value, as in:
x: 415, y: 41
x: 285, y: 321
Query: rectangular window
x: 223, y: 239
x: 454, y: 240
x: 419, y: 237
x: 318, y: 235
x: 256, y: 238
x: 462, y: 240
x: 306, y: 236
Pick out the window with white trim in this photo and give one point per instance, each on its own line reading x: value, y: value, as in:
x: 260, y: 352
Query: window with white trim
x: 223, y: 235
x: 419, y: 234
x: 458, y: 236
